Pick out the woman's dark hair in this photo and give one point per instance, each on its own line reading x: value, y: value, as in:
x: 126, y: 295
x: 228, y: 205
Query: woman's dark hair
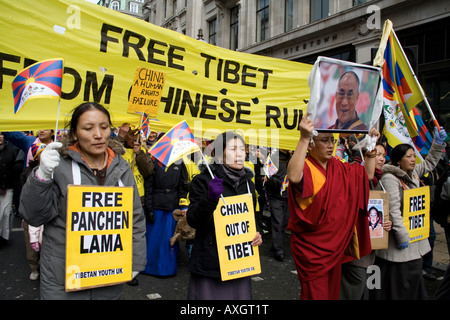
x: 382, y: 145
x: 78, y: 111
x: 221, y: 141
x: 399, y: 152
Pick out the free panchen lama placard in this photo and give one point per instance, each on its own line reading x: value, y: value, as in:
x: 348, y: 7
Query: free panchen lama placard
x: 99, y: 236
x: 235, y: 229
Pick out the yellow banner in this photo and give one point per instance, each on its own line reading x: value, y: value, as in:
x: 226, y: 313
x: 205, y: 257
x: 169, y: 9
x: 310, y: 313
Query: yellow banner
x: 99, y: 235
x: 235, y: 229
x: 416, y: 213
x: 212, y: 88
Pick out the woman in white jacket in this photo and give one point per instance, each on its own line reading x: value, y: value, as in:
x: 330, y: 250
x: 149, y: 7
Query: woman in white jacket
x: 401, y: 263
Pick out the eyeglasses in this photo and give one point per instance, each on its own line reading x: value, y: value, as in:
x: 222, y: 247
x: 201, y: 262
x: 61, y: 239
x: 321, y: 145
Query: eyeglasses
x: 327, y: 140
x: 341, y: 95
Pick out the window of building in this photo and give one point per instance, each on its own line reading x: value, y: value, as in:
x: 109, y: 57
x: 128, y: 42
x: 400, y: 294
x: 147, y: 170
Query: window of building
x: 319, y: 9
x: 288, y: 15
x: 134, y: 7
x: 115, y: 5
x: 234, y: 28
x: 358, y: 2
x: 212, y: 26
x: 174, y: 6
x: 262, y: 20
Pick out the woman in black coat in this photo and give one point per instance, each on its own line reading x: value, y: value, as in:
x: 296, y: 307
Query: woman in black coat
x: 230, y: 178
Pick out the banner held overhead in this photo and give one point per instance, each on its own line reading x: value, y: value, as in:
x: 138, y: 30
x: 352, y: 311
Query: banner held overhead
x: 212, y: 88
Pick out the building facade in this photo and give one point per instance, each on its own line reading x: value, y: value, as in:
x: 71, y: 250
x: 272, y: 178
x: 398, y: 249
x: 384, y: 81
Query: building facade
x: 133, y: 8
x: 302, y: 30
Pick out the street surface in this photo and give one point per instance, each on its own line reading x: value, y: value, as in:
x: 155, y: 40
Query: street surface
x: 278, y: 280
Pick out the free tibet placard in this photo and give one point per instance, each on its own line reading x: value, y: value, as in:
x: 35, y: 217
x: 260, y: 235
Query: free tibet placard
x: 416, y: 213
x: 99, y: 236
x: 235, y: 229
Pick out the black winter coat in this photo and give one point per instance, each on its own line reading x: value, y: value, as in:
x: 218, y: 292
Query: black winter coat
x: 204, y: 260
x: 164, y: 189
x: 8, y: 173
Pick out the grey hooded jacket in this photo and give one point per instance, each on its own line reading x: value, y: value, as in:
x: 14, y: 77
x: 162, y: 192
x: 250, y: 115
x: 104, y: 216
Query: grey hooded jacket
x: 399, y: 234
x: 45, y: 203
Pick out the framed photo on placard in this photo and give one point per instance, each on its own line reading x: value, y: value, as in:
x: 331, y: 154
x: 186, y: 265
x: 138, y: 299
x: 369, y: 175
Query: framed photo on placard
x: 345, y: 96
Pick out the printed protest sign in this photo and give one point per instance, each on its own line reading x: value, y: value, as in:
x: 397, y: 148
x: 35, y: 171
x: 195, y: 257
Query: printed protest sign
x: 99, y: 236
x: 235, y: 229
x: 416, y: 213
x: 378, y: 208
x: 146, y: 91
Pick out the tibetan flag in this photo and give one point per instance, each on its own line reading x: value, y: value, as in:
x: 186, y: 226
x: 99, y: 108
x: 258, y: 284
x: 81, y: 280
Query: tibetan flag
x: 269, y: 167
x: 61, y: 134
x: 423, y: 140
x: 401, y: 93
x: 40, y: 80
x: 176, y: 143
x: 145, y: 126
x: 284, y: 185
x: 400, y: 88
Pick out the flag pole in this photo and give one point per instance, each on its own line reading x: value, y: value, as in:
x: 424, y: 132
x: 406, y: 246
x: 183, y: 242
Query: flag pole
x: 418, y: 84
x: 57, y: 118
x: 210, y: 172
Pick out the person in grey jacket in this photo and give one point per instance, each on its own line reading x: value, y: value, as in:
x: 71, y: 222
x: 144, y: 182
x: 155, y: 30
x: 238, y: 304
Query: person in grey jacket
x: 44, y: 196
x: 401, y: 263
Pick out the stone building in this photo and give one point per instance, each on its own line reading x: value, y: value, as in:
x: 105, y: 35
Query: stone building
x: 302, y: 30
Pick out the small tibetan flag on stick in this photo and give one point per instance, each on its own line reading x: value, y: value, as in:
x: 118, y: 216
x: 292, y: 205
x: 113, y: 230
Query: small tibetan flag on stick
x: 269, y: 167
x: 176, y: 143
x: 40, y: 80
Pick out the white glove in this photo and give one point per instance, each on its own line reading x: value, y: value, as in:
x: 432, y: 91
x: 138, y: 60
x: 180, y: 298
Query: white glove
x: 49, y: 161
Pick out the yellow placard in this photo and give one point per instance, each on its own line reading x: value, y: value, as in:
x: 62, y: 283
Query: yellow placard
x: 99, y: 236
x: 146, y: 92
x: 235, y: 229
x: 212, y: 88
x: 416, y: 213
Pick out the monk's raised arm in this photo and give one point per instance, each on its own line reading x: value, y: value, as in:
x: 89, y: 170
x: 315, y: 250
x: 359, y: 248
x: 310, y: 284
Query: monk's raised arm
x: 369, y: 160
x: 297, y: 162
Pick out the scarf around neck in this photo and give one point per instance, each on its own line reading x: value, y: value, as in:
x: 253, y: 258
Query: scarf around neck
x: 234, y: 175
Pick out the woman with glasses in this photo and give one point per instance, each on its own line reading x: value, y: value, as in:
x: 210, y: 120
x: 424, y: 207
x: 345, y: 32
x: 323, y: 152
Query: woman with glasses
x: 327, y: 203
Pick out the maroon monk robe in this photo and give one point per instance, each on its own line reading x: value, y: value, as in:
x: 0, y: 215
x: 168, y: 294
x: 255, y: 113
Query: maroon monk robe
x: 323, y: 230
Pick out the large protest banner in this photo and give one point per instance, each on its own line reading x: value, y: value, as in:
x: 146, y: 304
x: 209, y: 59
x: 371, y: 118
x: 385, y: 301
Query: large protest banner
x: 99, y: 236
x: 212, y: 88
x: 416, y: 213
x: 235, y: 227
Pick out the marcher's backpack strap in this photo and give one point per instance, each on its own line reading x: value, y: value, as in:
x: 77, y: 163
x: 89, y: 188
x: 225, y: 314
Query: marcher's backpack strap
x: 405, y: 187
x: 76, y: 173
